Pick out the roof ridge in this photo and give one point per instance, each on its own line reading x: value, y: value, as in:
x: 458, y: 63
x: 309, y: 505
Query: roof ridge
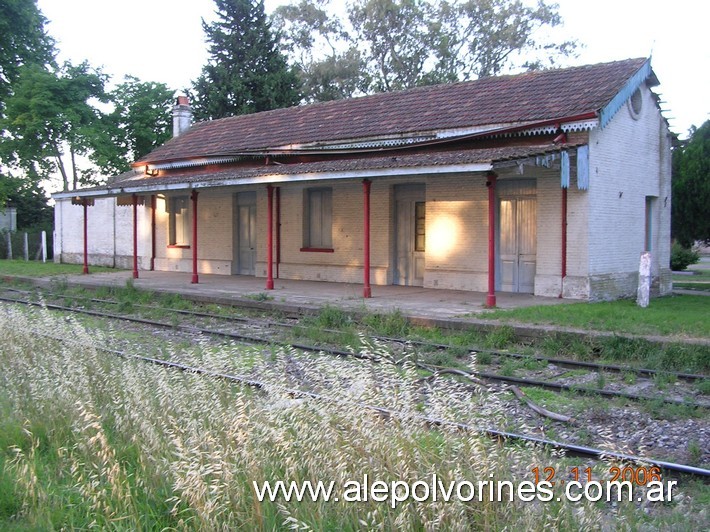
x: 423, y: 88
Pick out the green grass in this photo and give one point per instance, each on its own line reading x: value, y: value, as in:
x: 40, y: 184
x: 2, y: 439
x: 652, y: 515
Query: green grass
x: 682, y: 315
x: 697, y: 275
x: 700, y: 287
x: 45, y: 269
x: 699, y: 280
x: 89, y: 441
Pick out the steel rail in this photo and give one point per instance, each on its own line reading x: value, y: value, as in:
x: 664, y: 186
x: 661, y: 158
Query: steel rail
x: 565, y: 363
x: 576, y: 450
x: 341, y: 353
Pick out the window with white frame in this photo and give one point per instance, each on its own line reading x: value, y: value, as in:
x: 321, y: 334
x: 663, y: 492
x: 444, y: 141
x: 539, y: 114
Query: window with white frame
x: 179, y: 220
x: 318, y: 219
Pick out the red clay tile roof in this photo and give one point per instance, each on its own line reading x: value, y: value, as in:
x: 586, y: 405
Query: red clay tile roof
x: 532, y: 96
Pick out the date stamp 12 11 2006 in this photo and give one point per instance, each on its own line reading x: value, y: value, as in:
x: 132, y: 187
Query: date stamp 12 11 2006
x: 640, y: 476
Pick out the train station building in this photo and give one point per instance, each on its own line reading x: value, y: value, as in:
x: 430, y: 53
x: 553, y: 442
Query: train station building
x: 549, y: 183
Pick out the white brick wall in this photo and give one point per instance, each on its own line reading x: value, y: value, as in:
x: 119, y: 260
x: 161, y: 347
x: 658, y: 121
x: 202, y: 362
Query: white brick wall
x: 214, y: 235
x: 109, y: 233
x: 629, y: 160
x: 457, y: 233
x: 345, y: 263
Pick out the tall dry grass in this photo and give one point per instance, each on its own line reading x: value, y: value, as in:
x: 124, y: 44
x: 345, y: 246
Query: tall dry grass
x: 93, y: 441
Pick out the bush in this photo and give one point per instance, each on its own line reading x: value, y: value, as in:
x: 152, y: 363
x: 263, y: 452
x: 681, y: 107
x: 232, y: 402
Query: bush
x: 682, y: 257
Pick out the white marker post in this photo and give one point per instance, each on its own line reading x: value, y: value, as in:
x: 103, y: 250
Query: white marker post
x: 44, y: 246
x: 644, y: 290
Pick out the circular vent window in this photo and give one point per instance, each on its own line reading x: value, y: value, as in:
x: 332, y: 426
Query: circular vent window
x: 635, y: 104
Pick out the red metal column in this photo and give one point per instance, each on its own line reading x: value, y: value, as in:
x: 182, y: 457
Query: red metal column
x: 491, y: 184
x: 135, y: 236
x: 86, y: 250
x: 367, y: 290
x: 195, y: 278
x: 153, y: 201
x: 270, y: 240
x: 564, y: 240
x: 278, y: 230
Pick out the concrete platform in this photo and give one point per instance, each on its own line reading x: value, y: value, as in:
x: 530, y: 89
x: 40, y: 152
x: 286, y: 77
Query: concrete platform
x: 291, y: 295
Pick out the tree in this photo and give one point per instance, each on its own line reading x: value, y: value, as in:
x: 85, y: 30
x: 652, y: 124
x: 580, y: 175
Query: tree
x: 48, y: 114
x: 139, y: 123
x: 246, y: 72
x: 26, y: 195
x: 406, y: 43
x: 23, y: 41
x: 690, y: 220
x: 337, y: 71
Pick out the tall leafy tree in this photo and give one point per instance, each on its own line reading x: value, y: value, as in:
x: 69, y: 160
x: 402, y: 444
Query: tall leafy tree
x: 23, y: 41
x: 28, y: 198
x: 329, y: 66
x: 690, y: 219
x: 246, y: 72
x: 49, y: 120
x: 405, y: 43
x: 140, y: 122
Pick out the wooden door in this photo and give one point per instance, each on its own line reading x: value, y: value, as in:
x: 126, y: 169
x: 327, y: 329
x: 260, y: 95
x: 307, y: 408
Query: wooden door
x: 245, y: 234
x: 410, y: 235
x: 517, y: 237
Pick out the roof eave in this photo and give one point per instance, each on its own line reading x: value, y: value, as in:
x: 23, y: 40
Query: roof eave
x: 324, y: 150
x: 464, y: 168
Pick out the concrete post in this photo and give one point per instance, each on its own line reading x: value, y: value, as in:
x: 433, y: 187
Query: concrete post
x: 9, y: 246
x: 26, y: 246
x: 644, y: 289
x: 44, y: 246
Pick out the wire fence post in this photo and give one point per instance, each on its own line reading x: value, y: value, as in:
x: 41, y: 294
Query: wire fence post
x: 9, y: 246
x: 26, y: 246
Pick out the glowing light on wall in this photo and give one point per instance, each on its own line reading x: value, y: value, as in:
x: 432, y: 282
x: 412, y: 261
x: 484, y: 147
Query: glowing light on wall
x: 442, y: 235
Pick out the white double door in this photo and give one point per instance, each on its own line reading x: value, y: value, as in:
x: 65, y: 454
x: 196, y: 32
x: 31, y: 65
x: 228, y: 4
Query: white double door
x: 517, y: 236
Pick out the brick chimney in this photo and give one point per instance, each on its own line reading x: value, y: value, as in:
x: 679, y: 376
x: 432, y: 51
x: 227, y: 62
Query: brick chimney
x: 182, y: 116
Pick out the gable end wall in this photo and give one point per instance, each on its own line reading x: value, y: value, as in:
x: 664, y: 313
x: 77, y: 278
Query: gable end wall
x: 629, y: 160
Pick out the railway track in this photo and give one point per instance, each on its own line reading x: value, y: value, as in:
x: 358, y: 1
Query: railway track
x: 563, y: 363
x: 267, y: 336
x: 505, y: 436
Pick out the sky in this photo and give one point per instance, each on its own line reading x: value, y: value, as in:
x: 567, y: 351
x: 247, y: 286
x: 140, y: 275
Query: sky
x: 163, y: 41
